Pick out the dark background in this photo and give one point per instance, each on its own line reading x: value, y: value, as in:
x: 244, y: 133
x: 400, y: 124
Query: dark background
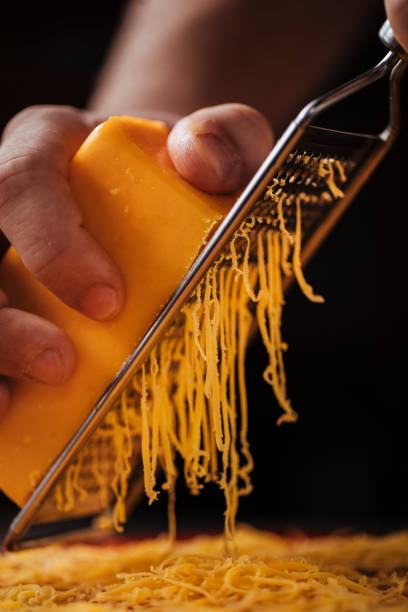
x: 345, y: 462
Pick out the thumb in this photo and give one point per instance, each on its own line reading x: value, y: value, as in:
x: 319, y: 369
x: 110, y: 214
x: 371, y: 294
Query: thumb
x: 397, y: 13
x: 219, y: 148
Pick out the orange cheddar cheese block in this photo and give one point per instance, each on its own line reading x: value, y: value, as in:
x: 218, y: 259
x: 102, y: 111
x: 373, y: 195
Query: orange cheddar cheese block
x: 153, y: 224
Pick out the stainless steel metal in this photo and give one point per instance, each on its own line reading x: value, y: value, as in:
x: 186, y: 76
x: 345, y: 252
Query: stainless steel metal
x: 362, y: 151
x: 388, y: 39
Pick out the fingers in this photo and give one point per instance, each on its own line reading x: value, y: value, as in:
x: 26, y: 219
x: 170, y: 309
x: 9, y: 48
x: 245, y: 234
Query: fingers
x: 34, y: 348
x: 31, y: 348
x: 397, y: 13
x: 219, y: 148
x: 40, y: 218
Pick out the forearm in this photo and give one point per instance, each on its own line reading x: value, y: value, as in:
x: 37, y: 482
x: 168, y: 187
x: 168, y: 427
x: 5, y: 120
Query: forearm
x: 174, y: 57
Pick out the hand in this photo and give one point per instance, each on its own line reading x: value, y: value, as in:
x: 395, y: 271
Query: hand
x: 216, y: 148
x: 397, y: 13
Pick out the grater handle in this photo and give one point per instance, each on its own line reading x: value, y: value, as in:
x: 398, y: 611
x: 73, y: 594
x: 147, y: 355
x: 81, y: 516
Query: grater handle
x: 386, y: 35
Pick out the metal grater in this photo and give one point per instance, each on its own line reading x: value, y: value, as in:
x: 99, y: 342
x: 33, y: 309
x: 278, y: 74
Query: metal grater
x: 293, y: 158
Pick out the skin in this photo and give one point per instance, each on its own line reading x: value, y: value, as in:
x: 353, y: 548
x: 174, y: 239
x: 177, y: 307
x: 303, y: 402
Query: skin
x: 397, y: 13
x: 41, y: 219
x: 193, y: 47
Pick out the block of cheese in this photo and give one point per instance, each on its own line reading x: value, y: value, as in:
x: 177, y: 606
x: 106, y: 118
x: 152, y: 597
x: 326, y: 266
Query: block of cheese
x: 153, y: 224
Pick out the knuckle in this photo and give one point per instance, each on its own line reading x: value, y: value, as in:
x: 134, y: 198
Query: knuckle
x: 17, y: 174
x: 23, y: 117
x: 48, y: 259
x: 38, y: 113
x: 15, y: 165
x: 38, y: 140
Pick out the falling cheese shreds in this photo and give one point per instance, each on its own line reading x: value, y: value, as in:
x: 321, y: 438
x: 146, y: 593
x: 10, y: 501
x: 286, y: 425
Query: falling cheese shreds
x: 189, y: 398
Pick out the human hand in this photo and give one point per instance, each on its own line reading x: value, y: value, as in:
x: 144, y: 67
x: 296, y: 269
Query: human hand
x: 217, y: 149
x: 397, y: 13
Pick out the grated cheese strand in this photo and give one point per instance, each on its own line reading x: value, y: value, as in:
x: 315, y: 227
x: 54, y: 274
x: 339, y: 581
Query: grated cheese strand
x: 189, y: 397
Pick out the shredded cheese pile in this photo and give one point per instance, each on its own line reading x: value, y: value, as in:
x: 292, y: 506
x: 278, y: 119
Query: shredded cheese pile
x: 351, y: 574
x: 189, y: 398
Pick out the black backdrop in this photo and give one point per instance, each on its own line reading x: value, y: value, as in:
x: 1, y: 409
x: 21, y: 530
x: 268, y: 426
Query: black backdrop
x: 345, y: 462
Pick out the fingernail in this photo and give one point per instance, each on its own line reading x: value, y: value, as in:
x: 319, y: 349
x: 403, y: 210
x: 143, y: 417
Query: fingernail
x: 217, y: 154
x: 99, y: 302
x: 47, y: 367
